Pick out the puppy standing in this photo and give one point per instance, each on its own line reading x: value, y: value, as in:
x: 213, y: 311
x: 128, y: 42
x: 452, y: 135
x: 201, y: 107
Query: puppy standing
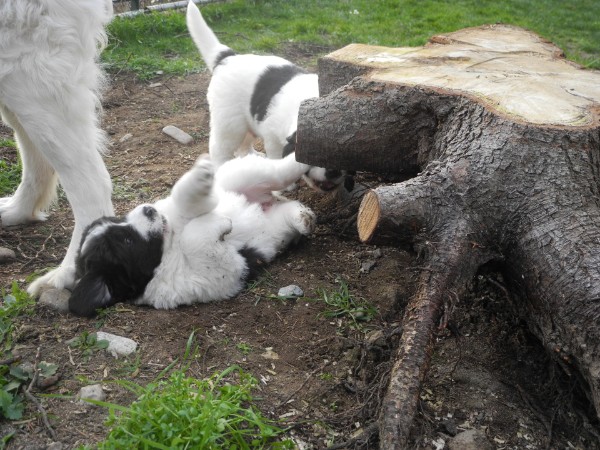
x: 49, y: 83
x: 251, y: 97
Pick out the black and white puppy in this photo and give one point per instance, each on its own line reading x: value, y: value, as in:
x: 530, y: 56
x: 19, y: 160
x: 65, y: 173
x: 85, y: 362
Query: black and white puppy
x: 251, y: 97
x: 197, y: 245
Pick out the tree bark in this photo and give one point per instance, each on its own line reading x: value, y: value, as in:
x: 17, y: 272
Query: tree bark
x: 502, y: 135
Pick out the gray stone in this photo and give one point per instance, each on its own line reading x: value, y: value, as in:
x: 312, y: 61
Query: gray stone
x: 117, y: 345
x: 126, y: 137
x: 291, y: 291
x: 177, y: 134
x: 57, y: 299
x: 6, y: 255
x: 367, y: 266
x: 470, y: 440
x: 91, y: 392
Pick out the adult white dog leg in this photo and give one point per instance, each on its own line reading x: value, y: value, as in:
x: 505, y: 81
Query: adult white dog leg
x: 72, y: 141
x: 37, y: 189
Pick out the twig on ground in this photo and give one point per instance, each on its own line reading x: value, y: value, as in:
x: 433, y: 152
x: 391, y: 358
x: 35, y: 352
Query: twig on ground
x: 310, y: 375
x: 361, y: 439
x: 34, y: 400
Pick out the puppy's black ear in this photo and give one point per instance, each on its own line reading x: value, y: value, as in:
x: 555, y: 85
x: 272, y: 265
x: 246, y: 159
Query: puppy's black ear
x: 90, y: 294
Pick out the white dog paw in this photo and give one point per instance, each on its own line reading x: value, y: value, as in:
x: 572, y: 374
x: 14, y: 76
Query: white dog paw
x: 203, y: 174
x: 60, y: 278
x: 12, y: 214
x: 305, y: 221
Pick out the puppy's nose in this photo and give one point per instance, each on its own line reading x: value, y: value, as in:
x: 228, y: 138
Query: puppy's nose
x: 149, y: 212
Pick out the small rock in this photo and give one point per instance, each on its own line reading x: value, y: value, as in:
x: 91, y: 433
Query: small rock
x: 126, y: 137
x: 117, y: 345
x: 366, y: 266
x: 177, y: 134
x: 270, y: 354
x: 6, y: 255
x: 56, y: 299
x: 448, y: 426
x: 55, y: 446
x: 153, y: 85
x: 470, y: 440
x: 291, y: 291
x: 91, y: 392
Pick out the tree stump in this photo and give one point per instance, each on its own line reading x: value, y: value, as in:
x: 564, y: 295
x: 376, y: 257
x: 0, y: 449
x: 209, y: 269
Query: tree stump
x: 502, y: 137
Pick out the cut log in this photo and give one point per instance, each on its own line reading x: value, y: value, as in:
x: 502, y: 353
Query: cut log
x: 502, y: 135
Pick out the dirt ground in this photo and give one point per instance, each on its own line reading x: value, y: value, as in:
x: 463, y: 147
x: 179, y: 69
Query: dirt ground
x: 488, y: 373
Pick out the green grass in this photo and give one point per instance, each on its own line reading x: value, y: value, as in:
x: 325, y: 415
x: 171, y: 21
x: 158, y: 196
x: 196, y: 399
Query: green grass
x: 341, y: 303
x: 179, y: 411
x: 13, y: 304
x: 157, y: 42
x: 185, y: 412
x: 10, y: 171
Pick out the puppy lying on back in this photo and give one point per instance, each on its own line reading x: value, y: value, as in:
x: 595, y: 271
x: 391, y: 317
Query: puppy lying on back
x: 254, y: 96
x: 200, y: 244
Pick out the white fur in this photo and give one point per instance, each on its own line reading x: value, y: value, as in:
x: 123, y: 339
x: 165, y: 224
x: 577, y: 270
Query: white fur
x: 49, y: 95
x: 233, y: 130
x: 211, y: 219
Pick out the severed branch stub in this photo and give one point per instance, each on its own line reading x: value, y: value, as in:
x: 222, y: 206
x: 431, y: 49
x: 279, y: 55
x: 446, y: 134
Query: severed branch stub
x: 501, y: 136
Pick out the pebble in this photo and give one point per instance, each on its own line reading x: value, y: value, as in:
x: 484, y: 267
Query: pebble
x: 126, y: 137
x: 56, y: 299
x: 6, y: 255
x: 470, y: 440
x: 291, y: 291
x: 366, y: 266
x: 117, y: 345
x: 177, y: 134
x: 91, y: 392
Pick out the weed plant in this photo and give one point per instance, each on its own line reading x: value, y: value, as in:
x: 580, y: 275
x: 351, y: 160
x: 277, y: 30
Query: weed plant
x: 14, y: 303
x: 182, y: 412
x: 341, y: 303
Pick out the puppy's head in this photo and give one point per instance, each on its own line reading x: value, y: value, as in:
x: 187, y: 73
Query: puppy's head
x: 116, y: 259
x: 319, y: 178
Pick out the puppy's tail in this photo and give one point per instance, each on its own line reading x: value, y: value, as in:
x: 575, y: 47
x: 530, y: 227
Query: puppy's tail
x: 212, y: 51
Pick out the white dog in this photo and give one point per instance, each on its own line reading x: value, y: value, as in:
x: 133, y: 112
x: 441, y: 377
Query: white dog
x: 199, y: 244
x: 49, y: 85
x: 251, y: 97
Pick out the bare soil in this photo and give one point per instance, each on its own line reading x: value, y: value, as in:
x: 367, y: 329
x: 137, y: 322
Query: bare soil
x: 488, y: 373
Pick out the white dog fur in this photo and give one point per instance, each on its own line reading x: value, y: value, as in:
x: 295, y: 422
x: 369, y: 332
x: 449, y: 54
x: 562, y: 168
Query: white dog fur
x: 254, y: 96
x: 49, y: 95
x: 208, y: 224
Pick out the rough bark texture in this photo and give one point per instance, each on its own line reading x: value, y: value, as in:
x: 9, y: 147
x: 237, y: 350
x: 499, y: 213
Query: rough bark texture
x: 503, y: 137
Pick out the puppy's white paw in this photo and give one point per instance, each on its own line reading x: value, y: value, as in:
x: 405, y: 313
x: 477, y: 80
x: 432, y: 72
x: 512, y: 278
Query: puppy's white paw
x: 305, y: 220
x: 202, y: 175
x: 60, y: 278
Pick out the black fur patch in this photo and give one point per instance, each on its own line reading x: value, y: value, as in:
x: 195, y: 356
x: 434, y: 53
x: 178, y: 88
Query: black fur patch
x: 255, y: 261
x: 268, y: 85
x: 221, y: 56
x: 116, y: 267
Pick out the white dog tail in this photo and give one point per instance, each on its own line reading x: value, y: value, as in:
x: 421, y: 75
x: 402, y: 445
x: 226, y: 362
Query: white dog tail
x: 212, y: 51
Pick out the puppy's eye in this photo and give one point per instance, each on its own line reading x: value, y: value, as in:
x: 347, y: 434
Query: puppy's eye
x: 127, y: 241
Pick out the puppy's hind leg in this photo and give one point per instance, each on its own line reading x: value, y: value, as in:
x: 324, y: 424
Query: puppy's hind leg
x: 193, y: 193
x: 37, y: 189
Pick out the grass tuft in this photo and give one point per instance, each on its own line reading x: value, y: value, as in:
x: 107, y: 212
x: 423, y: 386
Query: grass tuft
x: 342, y: 304
x: 185, y: 412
